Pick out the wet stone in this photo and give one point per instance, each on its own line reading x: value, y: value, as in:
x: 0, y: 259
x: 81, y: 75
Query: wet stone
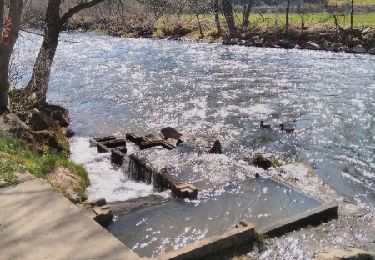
x: 103, y: 215
x: 94, y: 141
x: 216, y: 148
x: 118, y: 155
x: 170, y: 132
x: 135, y: 138
x: 261, y: 162
x: 95, y: 203
x: 115, y: 143
x: 188, y: 191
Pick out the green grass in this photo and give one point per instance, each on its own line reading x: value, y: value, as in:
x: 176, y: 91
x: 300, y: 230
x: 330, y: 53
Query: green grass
x: 356, y: 2
x: 267, y: 20
x: 8, y: 170
x: 15, y: 156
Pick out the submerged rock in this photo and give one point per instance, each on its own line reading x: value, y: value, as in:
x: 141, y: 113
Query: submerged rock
x: 216, y: 148
x: 261, y: 162
x: 170, y: 132
x: 133, y: 205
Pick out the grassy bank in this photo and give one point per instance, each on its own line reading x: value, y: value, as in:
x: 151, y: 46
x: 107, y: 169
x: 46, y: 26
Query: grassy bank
x: 264, y: 21
x: 16, y: 157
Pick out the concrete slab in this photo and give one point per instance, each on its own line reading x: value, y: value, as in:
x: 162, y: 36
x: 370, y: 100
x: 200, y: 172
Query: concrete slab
x: 36, y: 222
x: 314, y: 216
x: 242, y: 235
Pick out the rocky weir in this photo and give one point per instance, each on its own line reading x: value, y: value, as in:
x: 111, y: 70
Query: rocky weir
x: 211, y: 195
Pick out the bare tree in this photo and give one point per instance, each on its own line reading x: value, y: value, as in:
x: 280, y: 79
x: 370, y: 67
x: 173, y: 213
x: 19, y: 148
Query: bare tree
x: 334, y: 12
x: 352, y: 17
x: 246, y: 13
x: 217, y: 19
x: 8, y: 37
x: 35, y: 92
x: 287, y: 17
x: 228, y: 13
x: 302, y: 12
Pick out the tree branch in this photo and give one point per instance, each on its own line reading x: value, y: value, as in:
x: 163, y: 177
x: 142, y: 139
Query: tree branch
x: 77, y: 8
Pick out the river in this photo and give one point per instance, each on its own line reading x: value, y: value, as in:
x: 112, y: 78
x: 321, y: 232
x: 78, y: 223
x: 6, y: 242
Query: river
x: 114, y: 85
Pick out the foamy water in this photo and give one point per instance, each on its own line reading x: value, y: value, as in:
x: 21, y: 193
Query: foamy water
x: 106, y: 181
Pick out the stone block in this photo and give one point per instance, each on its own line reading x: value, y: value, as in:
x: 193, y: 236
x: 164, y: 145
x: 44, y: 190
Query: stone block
x: 103, y: 215
x: 315, y: 216
x: 188, y: 191
x: 118, y: 155
x: 101, y: 148
x: 242, y: 236
x: 94, y: 141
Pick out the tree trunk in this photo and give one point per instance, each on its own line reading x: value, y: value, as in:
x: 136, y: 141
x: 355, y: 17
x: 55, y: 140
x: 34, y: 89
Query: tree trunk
x: 352, y: 17
x: 35, y: 92
x: 8, y: 39
x: 1, y: 19
x: 217, y: 19
x: 38, y: 85
x: 228, y: 13
x: 246, y: 14
x: 199, y: 26
x: 287, y: 18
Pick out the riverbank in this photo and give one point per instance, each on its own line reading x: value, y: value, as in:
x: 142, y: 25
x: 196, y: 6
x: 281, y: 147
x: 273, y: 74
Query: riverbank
x: 315, y: 32
x: 34, y: 142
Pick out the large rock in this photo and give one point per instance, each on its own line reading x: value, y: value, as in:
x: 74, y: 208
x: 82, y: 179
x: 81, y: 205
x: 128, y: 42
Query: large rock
x: 37, y: 120
x: 338, y: 47
x: 284, y: 43
x: 312, y: 46
x: 358, y: 49
x: 170, y: 132
x: 249, y: 43
x: 58, y: 113
x: 372, y: 51
x: 259, y: 42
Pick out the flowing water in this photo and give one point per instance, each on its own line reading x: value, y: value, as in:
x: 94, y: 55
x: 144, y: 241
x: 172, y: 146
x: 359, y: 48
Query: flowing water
x: 113, y: 85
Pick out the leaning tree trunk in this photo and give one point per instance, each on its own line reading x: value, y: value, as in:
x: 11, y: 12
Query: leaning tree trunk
x: 246, y: 14
x: 228, y: 13
x: 35, y: 93
x: 217, y: 19
x: 8, y: 38
x: 38, y: 85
